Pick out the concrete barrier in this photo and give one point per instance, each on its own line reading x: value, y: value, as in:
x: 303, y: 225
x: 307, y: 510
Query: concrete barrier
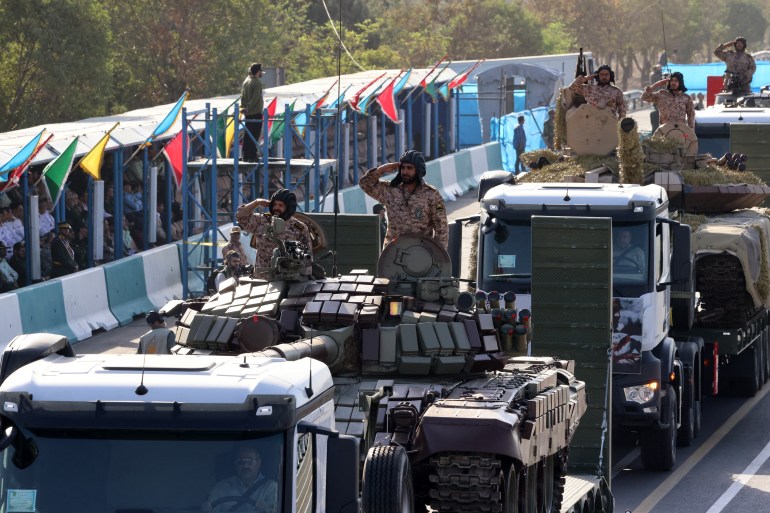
x: 162, y: 274
x: 10, y: 318
x: 479, y: 161
x: 86, y: 305
x: 126, y: 288
x: 42, y: 309
x: 464, y: 170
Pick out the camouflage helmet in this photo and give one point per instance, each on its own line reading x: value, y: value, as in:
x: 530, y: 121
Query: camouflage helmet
x: 288, y: 198
x: 415, y: 158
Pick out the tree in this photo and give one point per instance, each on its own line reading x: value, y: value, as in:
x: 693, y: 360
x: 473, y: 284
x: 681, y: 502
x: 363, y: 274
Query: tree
x: 55, y: 64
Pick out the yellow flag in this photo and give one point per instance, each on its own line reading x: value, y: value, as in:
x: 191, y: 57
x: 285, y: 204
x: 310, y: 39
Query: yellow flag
x: 92, y: 162
x: 230, y: 133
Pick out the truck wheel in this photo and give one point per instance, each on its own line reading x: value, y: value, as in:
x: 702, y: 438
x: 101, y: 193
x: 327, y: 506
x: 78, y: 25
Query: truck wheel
x: 687, y: 431
x: 387, y: 483
x: 659, y: 445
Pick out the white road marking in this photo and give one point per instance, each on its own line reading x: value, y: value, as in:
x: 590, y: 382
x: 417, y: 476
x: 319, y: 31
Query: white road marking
x: 741, y: 481
x: 682, y: 470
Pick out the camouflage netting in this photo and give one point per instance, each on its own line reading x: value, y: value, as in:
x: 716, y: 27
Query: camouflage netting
x: 560, y: 123
x: 574, y: 166
x: 473, y: 258
x: 763, y: 282
x: 719, y: 175
x: 630, y: 156
x: 693, y: 220
x: 662, y: 143
x: 531, y: 157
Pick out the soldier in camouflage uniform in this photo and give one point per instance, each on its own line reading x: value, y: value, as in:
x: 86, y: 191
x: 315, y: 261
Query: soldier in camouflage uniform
x: 235, y: 245
x: 603, y: 94
x: 412, y: 205
x: 738, y: 62
x: 283, y: 203
x: 674, y: 104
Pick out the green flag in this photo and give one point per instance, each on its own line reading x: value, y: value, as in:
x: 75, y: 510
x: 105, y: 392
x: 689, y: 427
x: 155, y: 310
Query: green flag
x: 276, y: 132
x: 57, y: 171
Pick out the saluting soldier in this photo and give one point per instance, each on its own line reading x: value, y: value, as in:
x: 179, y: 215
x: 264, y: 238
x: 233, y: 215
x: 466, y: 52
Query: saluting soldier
x: 674, y: 104
x: 283, y: 204
x: 412, y: 206
x: 739, y: 62
x: 603, y: 93
x: 62, y: 254
x: 235, y: 245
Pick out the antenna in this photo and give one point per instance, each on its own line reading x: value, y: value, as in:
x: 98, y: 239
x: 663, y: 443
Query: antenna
x: 338, y: 130
x: 566, y: 195
x: 309, y: 388
x: 663, y: 28
x: 141, y: 389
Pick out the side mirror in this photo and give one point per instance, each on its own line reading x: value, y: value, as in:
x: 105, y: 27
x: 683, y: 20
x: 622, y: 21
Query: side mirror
x: 681, y: 259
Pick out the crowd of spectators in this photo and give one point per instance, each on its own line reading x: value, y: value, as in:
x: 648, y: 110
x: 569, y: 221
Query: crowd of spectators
x: 75, y: 198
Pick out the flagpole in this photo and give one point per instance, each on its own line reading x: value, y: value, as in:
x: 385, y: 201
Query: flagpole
x: 24, y: 164
x: 426, y: 76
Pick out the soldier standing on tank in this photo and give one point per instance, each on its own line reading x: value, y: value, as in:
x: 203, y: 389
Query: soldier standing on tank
x: 283, y: 204
x: 739, y: 62
x: 603, y: 94
x: 412, y: 205
x: 673, y: 103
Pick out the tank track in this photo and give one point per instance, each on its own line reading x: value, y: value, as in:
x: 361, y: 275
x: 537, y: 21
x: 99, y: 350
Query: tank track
x: 724, y: 300
x: 470, y: 483
x: 466, y: 483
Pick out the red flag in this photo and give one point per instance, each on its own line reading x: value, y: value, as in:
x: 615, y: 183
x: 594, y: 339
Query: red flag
x: 387, y: 102
x: 15, y: 175
x: 462, y: 77
x: 174, y: 155
x: 353, y: 102
x: 271, y: 113
x: 424, y: 82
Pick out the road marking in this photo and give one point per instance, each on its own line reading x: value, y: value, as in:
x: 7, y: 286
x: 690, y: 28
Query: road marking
x: 627, y: 460
x: 681, y: 471
x: 741, y: 481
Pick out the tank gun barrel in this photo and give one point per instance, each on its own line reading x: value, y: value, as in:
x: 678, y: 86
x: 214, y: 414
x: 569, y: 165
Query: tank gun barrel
x: 322, y: 347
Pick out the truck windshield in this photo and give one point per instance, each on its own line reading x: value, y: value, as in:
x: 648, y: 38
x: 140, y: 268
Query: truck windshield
x: 100, y: 472
x: 507, y: 256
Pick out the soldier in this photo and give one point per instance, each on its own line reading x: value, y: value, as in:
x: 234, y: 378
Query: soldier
x: 283, y: 203
x: 548, y: 129
x: 674, y: 104
x: 252, y: 104
x: 739, y: 62
x: 62, y: 254
x: 412, y: 205
x: 603, y: 94
x: 235, y: 245
x: 232, y: 268
x: 159, y: 340
x: 8, y: 277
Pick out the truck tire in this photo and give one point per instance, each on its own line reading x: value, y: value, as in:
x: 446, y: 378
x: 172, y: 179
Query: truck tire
x: 659, y: 445
x: 690, y: 425
x: 387, y: 482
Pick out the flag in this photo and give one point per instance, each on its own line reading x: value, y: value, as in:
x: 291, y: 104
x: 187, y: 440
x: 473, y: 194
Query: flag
x: 353, y: 102
x: 13, y: 178
x: 443, y: 90
x: 432, y: 89
x: 276, y: 131
x: 333, y: 105
x: 301, y: 119
x: 165, y: 125
x: 424, y: 81
x: 387, y: 101
x: 57, y: 171
x: 92, y: 162
x: 271, y: 113
x: 458, y: 80
x: 225, y: 131
x: 22, y: 155
x: 363, y: 105
x: 401, y: 83
x: 173, y: 151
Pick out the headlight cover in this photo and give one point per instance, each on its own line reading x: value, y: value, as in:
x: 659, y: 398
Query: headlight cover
x: 641, y: 393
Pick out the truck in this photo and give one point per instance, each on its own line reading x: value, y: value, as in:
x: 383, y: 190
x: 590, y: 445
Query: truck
x: 455, y: 421
x: 690, y: 295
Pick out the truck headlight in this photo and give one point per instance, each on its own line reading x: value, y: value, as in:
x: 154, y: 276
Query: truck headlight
x: 641, y: 393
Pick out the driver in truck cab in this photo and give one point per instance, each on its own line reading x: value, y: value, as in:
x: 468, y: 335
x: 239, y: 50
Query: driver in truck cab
x: 625, y: 253
x: 247, y: 490
x: 603, y: 94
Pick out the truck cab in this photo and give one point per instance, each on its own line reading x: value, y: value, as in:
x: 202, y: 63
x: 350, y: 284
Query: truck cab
x: 129, y: 433
x: 646, y: 263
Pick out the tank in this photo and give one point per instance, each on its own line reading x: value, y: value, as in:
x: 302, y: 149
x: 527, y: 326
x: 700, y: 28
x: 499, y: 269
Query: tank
x: 417, y: 364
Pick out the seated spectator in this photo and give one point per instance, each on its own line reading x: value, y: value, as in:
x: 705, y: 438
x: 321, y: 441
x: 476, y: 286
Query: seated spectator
x: 80, y: 247
x: 74, y: 212
x: 160, y: 233
x: 132, y: 203
x: 19, y: 262
x: 109, y: 198
x: 46, y: 221
x: 8, y: 277
x: 6, y: 234
x: 129, y: 245
x: 46, y: 262
x: 17, y: 223
x: 108, y: 252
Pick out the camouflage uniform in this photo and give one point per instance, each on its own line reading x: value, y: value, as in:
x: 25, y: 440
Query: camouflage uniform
x: 257, y: 223
x: 740, y: 63
x: 238, y: 248
x: 420, y: 212
x: 607, y: 96
x: 674, y: 108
